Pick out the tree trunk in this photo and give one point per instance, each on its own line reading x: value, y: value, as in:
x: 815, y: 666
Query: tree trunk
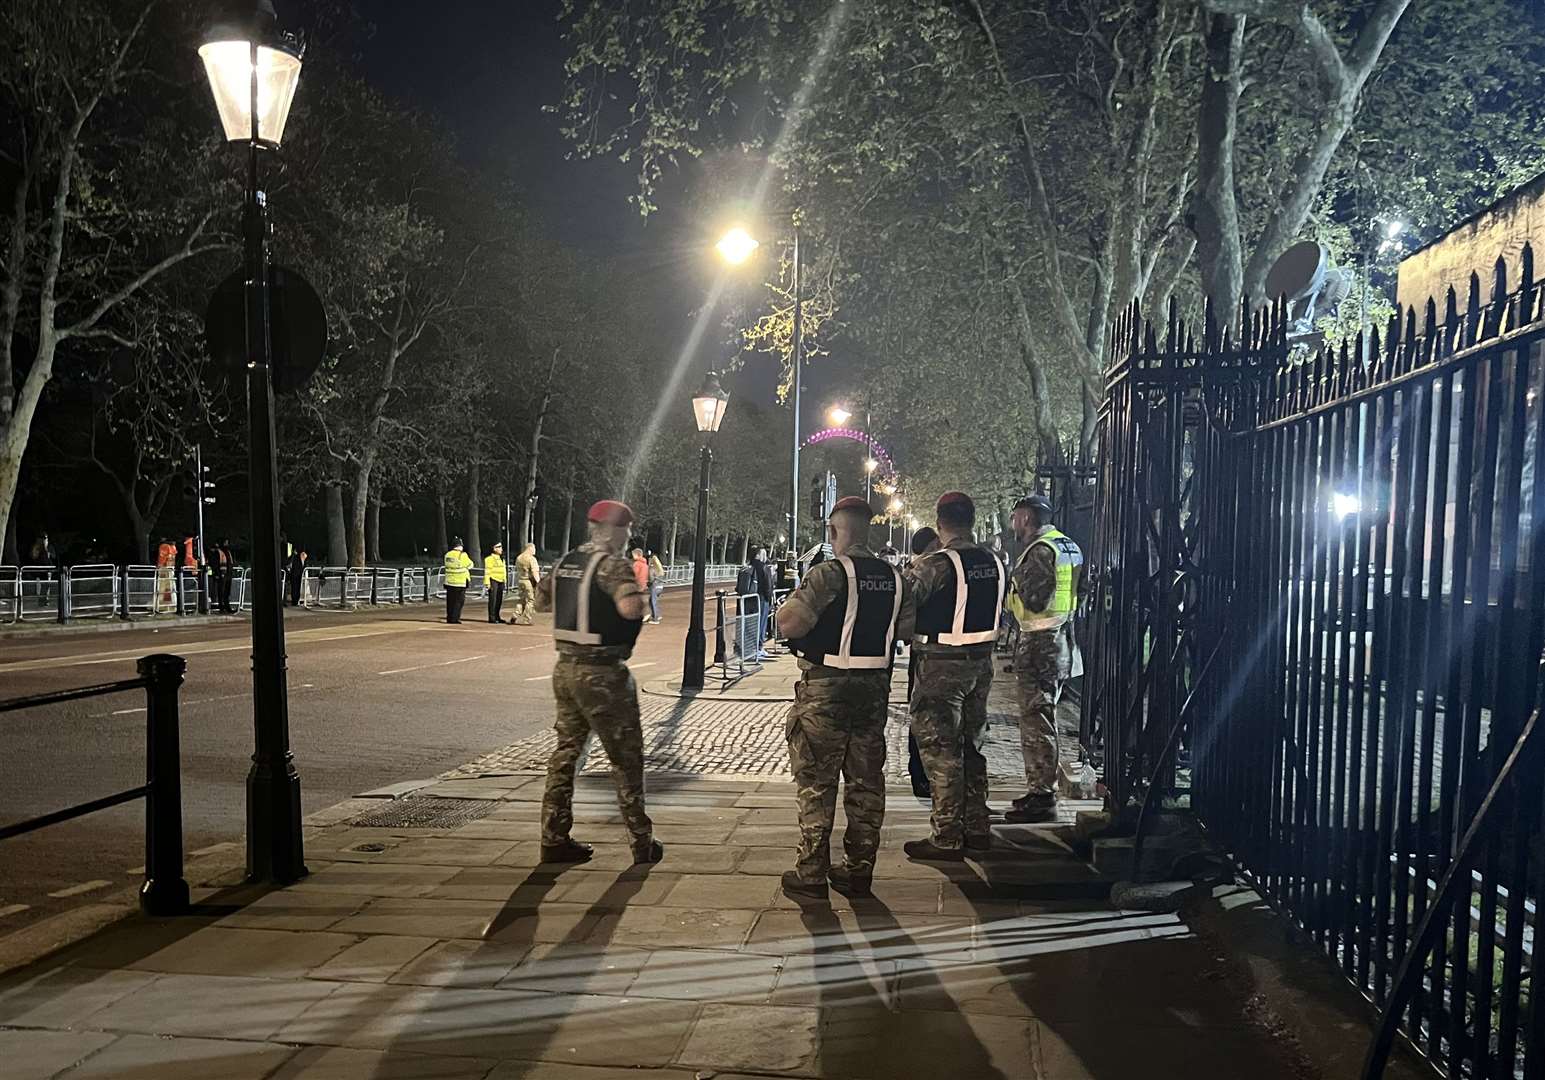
x: 373, y: 531
x: 541, y: 526
x: 359, y: 511
x: 670, y: 544
x: 745, y: 549
x: 474, y: 512
x: 568, y: 522
x: 442, y: 539
x: 337, y: 542
x: 535, y: 455
x: 1220, y: 259
x: 8, y: 551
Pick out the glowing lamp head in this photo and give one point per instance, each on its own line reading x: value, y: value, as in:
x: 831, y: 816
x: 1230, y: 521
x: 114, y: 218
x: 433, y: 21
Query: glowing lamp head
x: 839, y: 415
x: 709, y: 404
x: 247, y: 40
x: 870, y: 465
x: 1344, y: 504
x: 736, y: 246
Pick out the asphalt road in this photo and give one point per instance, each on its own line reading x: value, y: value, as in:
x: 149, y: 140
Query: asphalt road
x: 375, y: 698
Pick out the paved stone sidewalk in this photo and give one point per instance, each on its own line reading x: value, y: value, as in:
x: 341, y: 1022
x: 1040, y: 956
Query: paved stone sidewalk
x: 729, y: 738
x: 451, y: 953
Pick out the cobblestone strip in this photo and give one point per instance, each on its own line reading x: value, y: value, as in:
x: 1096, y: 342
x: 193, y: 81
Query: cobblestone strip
x: 731, y: 738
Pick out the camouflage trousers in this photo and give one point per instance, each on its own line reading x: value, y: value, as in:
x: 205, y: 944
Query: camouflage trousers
x: 1040, y: 670
x: 949, y: 720
x: 837, y: 729
x: 603, y: 699
x: 521, y: 594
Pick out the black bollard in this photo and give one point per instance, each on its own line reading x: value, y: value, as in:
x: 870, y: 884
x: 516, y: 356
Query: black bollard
x: 165, y: 890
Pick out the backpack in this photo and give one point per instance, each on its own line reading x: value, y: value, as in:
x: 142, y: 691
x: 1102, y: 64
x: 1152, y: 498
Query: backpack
x: 745, y: 581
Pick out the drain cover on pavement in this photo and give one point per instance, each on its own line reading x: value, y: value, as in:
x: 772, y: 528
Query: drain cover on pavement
x: 425, y: 813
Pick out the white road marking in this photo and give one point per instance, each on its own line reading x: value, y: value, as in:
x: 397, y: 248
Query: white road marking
x: 539, y: 678
x: 528, y: 648
x: 135, y: 871
x: 646, y: 663
x: 13, y: 909
x: 195, y: 647
x: 195, y: 701
x: 442, y: 663
x: 83, y: 887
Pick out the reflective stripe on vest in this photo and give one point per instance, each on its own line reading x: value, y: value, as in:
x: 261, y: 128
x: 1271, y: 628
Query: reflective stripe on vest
x: 959, y: 633
x: 571, y: 600
x: 457, y: 572
x: 1064, y: 598
x: 860, y: 618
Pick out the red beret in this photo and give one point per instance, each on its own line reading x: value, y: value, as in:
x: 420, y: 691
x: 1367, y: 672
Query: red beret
x: 955, y: 498
x: 853, y: 502
x: 610, y: 512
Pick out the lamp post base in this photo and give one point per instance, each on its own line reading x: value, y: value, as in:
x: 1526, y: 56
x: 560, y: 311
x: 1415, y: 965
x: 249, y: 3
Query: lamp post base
x: 274, y: 849
x: 692, y: 659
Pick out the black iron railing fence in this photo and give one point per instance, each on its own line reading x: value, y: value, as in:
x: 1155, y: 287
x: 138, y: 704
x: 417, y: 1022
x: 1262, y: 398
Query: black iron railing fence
x: 164, y: 890
x: 1328, y: 571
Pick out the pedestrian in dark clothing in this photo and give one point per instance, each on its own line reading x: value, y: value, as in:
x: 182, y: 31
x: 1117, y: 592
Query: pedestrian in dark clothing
x: 764, y: 589
x: 223, y: 571
x: 295, y: 571
x: 923, y: 541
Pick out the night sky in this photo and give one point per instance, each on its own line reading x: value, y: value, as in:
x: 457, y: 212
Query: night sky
x: 487, y: 67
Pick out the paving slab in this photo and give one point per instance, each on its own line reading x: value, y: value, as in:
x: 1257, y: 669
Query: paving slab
x: 39, y: 1055
x: 663, y: 927
x: 568, y: 968
x: 143, y: 1057
x: 345, y: 1063
x: 1086, y: 1051
x: 461, y: 964
x: 497, y: 1023
x: 296, y: 909
x: 763, y: 1038
x: 451, y: 851
x: 378, y: 878
x: 211, y: 1006
x: 706, y: 975
x: 222, y: 950
x: 61, y: 997
x: 836, y: 981
x: 870, y: 1044
x: 425, y: 917
x: 549, y: 1070
x: 375, y: 959
x: 751, y: 891
x: 885, y: 936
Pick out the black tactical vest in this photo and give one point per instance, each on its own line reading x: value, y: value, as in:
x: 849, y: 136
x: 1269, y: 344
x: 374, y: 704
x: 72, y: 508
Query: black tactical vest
x: 967, y: 613
x: 858, y: 627
x: 583, y: 614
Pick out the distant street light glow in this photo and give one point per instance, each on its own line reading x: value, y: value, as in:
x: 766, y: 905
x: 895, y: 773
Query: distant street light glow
x: 1343, y: 505
x: 839, y: 415
x: 1394, y: 229
x: 870, y: 465
x: 736, y: 246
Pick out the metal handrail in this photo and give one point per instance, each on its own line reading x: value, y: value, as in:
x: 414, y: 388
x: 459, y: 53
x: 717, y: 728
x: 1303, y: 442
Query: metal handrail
x: 164, y: 890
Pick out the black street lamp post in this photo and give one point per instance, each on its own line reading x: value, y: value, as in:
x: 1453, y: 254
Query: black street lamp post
x: 253, y: 72
x: 708, y: 405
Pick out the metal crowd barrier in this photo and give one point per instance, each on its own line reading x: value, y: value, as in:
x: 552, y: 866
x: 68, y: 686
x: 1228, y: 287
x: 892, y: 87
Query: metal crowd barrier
x: 164, y: 891
x: 681, y: 573
x: 745, y: 634
x: 10, y: 593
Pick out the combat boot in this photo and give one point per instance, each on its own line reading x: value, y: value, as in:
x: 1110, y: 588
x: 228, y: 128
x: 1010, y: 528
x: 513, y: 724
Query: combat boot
x: 850, y: 884
x: 980, y: 843
x: 797, y: 888
x: 652, y: 852
x: 928, y: 851
x: 1032, y: 810
x: 570, y: 851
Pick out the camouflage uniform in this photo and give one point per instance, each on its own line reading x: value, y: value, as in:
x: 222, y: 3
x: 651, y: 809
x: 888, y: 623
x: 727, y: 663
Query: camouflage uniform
x: 595, y: 692
x: 949, y: 715
x: 526, y: 572
x: 1042, y: 663
x: 837, y: 728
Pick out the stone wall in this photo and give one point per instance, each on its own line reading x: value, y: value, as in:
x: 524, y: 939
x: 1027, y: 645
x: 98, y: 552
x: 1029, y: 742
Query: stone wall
x: 1500, y: 230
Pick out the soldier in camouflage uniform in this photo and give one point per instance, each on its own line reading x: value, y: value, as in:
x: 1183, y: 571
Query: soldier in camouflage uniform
x: 524, y: 585
x: 842, y: 622
x: 597, y: 611
x: 1043, y: 656
x: 958, y: 592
